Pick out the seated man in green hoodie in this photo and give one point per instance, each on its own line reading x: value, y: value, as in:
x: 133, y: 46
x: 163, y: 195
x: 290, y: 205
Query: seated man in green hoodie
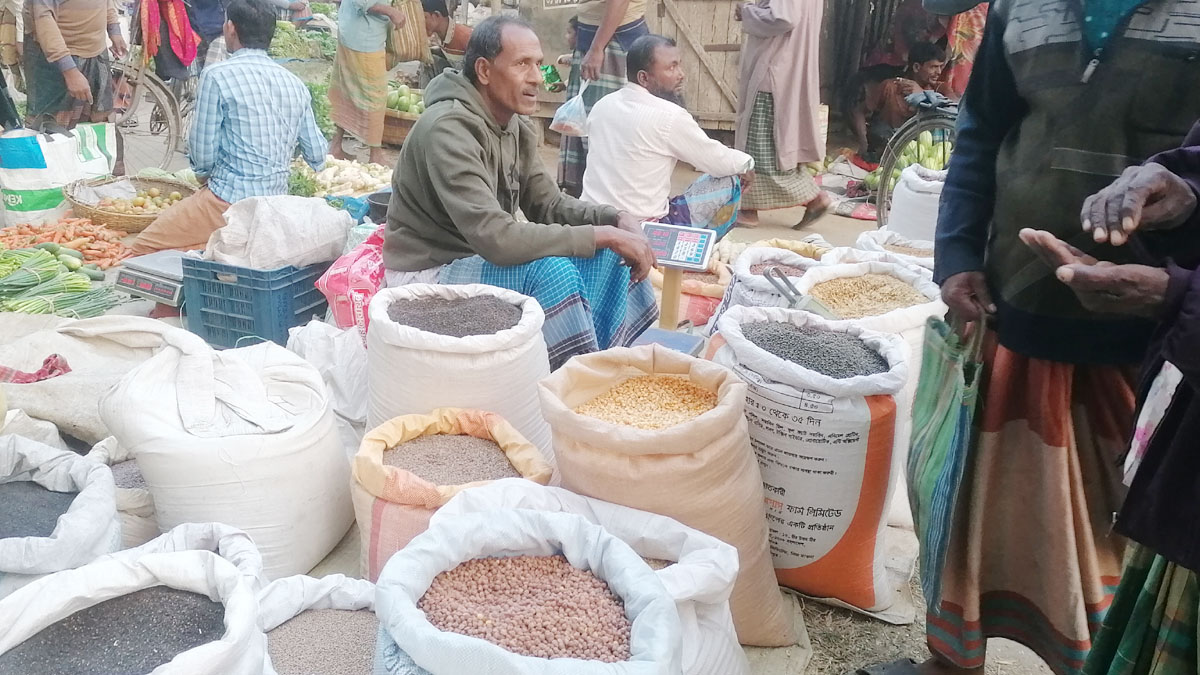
x: 470, y: 164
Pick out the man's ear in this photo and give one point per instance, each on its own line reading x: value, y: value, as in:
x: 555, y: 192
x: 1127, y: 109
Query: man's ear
x: 483, y: 71
x: 642, y: 78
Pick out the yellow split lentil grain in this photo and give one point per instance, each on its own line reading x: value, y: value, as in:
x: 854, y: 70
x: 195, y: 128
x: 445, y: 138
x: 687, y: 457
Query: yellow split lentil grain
x: 909, y: 250
x: 650, y: 402
x: 868, y: 295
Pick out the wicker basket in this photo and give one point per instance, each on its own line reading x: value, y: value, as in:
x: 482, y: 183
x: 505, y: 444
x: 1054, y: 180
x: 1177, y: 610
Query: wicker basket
x: 130, y: 223
x: 396, y: 124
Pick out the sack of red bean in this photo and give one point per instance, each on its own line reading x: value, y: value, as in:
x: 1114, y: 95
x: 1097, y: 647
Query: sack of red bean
x: 697, y: 570
x: 522, y: 591
x: 57, y: 511
x: 408, y: 467
x: 660, y: 431
x: 823, y: 421
x: 750, y: 286
x: 319, y: 625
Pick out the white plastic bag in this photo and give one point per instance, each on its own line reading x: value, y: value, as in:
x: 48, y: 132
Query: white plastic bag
x: 134, y: 505
x: 571, y: 117
x: 38, y: 166
x: 267, y: 233
x: 700, y: 581
x: 242, y: 436
x: 413, y: 372
x: 754, y: 290
x: 407, y: 638
x: 879, y: 240
x: 341, y: 358
x: 89, y: 529
x: 915, y: 200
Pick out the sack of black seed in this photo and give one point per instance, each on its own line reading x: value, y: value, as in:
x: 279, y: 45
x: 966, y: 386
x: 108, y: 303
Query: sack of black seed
x: 821, y: 405
x: 319, y: 625
x: 181, y: 613
x: 57, y: 511
x: 135, y: 505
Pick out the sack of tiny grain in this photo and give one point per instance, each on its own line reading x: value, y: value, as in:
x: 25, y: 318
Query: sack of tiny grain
x: 750, y: 286
x: 408, y: 467
x: 558, y: 595
x: 823, y: 422
x: 660, y: 431
x: 319, y: 625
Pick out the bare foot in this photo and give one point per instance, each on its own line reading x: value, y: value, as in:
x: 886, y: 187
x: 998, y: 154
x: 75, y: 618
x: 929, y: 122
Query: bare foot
x: 815, y: 209
x: 376, y: 156
x: 748, y: 218
x: 335, y: 145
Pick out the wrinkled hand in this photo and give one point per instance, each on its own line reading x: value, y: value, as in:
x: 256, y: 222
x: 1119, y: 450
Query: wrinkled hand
x: 908, y: 87
x: 398, y: 18
x: 589, y: 68
x: 1054, y: 251
x: 1143, y: 197
x: 77, y: 85
x: 632, y: 247
x: 119, y: 49
x: 967, y: 296
x: 630, y: 223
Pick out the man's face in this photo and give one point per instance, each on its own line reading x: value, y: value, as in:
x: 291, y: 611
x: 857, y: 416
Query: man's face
x: 665, y: 77
x: 433, y: 24
x: 927, y: 74
x: 513, y: 79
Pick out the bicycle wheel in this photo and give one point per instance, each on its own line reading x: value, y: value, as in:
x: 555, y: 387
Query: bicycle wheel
x: 148, y: 121
x: 940, y: 123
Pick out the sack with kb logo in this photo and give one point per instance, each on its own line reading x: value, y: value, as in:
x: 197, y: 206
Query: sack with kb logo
x: 35, y: 167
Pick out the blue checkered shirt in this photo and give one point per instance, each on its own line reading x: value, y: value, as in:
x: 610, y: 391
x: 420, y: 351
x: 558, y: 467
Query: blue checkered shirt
x: 250, y: 115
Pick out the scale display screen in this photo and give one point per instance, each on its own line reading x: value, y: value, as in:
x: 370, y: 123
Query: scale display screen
x: 688, y: 248
x: 150, y: 287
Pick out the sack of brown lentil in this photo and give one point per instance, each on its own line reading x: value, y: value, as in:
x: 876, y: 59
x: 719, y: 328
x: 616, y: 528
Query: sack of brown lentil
x: 823, y: 423
x: 697, y: 570
x: 410, y: 466
x: 135, y: 505
x: 521, y: 591
x: 468, y: 346
x: 57, y: 511
x: 660, y: 431
x: 912, y: 251
x: 324, y: 625
x: 750, y: 285
x: 700, y: 292
x: 179, y: 613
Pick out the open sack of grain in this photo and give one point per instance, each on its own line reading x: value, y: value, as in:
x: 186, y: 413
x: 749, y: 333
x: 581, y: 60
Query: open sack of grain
x: 242, y: 436
x: 750, y: 285
x: 917, y: 252
x: 135, y: 504
x: 823, y: 423
x: 324, y: 625
x: 521, y: 591
x: 660, y: 431
x: 469, y: 346
x: 170, y: 613
x: 846, y: 255
x: 410, y: 466
x: 699, y: 570
x: 57, y: 511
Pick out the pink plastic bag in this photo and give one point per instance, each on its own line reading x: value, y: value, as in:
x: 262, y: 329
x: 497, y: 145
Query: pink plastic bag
x: 351, y: 282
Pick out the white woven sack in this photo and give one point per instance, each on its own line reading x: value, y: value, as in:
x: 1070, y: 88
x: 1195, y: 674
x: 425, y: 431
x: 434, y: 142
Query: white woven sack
x: 753, y: 290
x: 241, y: 436
x: 242, y: 648
x: 914, y: 210
x: 813, y: 436
x: 89, y: 529
x: 134, y: 505
x: 229, y: 543
x: 876, y: 240
x: 286, y: 598
x: 341, y: 357
x: 846, y: 255
x: 700, y: 581
x: 409, y: 641
x: 413, y: 372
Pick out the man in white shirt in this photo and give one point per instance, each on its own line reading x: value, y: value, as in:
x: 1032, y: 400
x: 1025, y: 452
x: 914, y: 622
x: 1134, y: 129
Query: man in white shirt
x: 637, y: 134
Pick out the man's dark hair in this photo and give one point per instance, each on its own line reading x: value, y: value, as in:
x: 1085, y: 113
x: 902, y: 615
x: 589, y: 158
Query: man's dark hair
x: 254, y: 21
x: 485, y: 42
x: 641, y: 54
x: 436, y: 7
x: 924, y: 52
x: 573, y: 22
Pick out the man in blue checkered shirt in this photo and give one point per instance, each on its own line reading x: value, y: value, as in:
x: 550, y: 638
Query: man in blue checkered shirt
x: 251, y: 114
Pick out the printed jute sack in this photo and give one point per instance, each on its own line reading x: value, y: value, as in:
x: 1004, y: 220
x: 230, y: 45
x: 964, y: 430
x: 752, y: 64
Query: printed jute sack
x: 701, y: 472
x: 827, y: 450
x: 393, y: 505
x: 34, y: 168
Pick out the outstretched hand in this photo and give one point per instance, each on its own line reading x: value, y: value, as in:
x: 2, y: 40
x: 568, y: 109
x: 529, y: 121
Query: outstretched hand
x: 1143, y: 197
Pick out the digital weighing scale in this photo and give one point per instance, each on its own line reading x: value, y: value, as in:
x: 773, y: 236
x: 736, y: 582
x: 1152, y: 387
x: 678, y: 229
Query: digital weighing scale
x: 155, y: 276
x: 677, y: 248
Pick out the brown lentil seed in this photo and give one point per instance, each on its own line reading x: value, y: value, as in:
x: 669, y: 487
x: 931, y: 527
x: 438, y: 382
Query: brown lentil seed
x: 325, y: 642
x: 788, y: 270
x: 866, y: 295
x: 456, y: 317
x: 837, y: 355
x: 909, y: 250
x: 538, y: 606
x: 444, y: 459
x: 650, y: 402
x: 127, y: 475
x: 128, y: 635
x: 29, y: 510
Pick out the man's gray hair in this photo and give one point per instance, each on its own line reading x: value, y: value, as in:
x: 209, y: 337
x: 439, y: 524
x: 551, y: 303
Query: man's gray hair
x: 485, y: 42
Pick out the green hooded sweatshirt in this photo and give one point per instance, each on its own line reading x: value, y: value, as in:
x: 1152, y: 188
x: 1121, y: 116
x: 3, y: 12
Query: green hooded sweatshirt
x: 461, y: 179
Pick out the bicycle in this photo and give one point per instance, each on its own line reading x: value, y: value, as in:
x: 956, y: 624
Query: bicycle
x: 148, y: 116
x: 940, y: 122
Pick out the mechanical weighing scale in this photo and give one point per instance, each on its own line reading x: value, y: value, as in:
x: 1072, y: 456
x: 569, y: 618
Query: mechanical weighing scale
x: 677, y: 248
x: 155, y: 276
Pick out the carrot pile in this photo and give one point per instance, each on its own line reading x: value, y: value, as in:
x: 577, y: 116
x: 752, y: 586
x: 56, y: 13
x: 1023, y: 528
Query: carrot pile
x: 99, y: 244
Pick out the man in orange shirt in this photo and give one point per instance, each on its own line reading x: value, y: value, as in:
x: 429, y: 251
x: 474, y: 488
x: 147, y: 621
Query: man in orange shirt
x: 881, y: 107
x: 448, y: 39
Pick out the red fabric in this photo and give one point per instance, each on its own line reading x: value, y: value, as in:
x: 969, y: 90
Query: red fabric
x: 184, y: 41
x: 53, y: 366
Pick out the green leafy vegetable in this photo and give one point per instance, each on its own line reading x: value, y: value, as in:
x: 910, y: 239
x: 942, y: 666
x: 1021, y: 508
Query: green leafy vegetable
x: 320, y: 106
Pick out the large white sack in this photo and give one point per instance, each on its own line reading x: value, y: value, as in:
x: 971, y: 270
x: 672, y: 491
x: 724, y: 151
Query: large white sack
x: 341, y: 357
x: 244, y: 437
x: 18, y: 423
x: 266, y: 233
x: 413, y: 372
x: 879, y: 240
x: 407, y: 639
x: 134, y: 505
x: 100, y: 351
x: 241, y: 650
x: 700, y: 581
x: 89, y: 529
x: 286, y: 598
x: 830, y: 457
x: 748, y: 288
x: 914, y: 209
x: 845, y: 255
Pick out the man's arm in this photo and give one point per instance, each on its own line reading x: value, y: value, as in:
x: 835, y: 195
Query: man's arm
x: 49, y: 37
x: 313, y: 146
x: 762, y: 21
x: 202, y: 141
x: 1185, y: 163
x: 687, y: 141
x: 614, y: 11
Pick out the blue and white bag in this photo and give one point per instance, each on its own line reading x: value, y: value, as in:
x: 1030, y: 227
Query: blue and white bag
x: 34, y: 169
